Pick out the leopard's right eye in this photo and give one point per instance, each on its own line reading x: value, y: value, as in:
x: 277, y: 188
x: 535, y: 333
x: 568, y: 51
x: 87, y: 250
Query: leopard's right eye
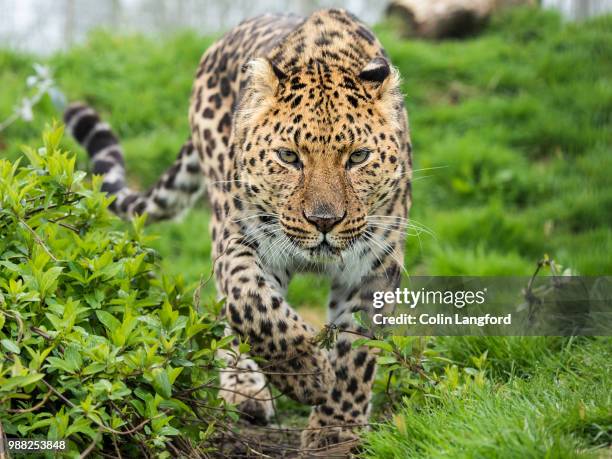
x: 358, y: 157
x: 288, y: 156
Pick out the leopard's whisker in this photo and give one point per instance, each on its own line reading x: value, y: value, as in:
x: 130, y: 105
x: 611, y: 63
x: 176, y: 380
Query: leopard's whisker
x: 226, y: 181
x: 270, y: 250
x: 404, y: 232
x: 398, y: 225
x: 413, y: 171
x: 250, y: 217
x: 388, y: 252
x: 406, y: 228
x: 246, y: 201
x: 401, y: 220
x: 252, y: 234
x: 367, y: 236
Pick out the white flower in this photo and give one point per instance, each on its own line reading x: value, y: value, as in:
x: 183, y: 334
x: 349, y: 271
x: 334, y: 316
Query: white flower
x: 25, y: 111
x: 42, y: 71
x: 57, y: 98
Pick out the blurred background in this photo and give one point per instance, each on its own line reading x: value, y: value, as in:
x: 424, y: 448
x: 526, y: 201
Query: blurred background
x: 44, y: 26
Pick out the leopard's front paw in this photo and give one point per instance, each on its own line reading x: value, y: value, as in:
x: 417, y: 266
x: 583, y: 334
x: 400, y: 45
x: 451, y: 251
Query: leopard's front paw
x: 307, y: 377
x: 255, y: 411
x: 248, y: 391
x: 329, y: 442
x: 329, y: 431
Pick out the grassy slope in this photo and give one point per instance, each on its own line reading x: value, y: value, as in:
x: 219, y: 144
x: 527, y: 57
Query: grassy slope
x: 516, y: 126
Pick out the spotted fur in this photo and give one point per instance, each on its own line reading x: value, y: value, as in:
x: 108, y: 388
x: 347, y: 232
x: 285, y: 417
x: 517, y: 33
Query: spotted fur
x: 319, y: 90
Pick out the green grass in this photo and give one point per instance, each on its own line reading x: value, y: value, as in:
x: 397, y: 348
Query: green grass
x: 561, y: 410
x: 512, y: 137
x: 518, y: 122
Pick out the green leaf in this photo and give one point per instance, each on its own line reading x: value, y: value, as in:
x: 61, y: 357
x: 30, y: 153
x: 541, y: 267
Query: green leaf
x: 108, y: 320
x: 10, y: 346
x: 20, y: 381
x: 138, y: 406
x: 375, y: 343
x: 225, y: 341
x: 161, y: 382
x: 73, y: 357
x: 360, y: 342
x: 169, y: 431
x: 47, y: 281
x: 386, y: 360
x: 359, y: 318
x: 94, y: 368
x: 81, y: 425
x: 60, y: 364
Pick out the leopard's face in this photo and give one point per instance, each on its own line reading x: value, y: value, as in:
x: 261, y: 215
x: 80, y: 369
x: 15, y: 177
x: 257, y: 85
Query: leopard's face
x: 320, y: 155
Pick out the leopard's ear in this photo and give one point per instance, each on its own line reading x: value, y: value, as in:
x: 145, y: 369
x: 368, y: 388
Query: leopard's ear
x: 379, y: 74
x: 376, y: 71
x: 263, y: 80
x: 383, y: 80
x: 264, y: 77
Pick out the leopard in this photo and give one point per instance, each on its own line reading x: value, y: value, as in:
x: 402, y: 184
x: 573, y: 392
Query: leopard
x: 299, y: 139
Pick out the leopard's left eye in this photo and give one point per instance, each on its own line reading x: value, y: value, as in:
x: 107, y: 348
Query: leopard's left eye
x: 358, y: 157
x: 288, y: 156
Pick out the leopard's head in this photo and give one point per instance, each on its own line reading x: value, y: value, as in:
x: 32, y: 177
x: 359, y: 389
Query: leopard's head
x: 320, y: 149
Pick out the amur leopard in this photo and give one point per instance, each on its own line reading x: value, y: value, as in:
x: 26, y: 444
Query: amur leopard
x: 300, y: 140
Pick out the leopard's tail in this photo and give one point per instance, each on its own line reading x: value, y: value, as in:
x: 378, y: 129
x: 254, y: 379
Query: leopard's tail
x: 175, y: 191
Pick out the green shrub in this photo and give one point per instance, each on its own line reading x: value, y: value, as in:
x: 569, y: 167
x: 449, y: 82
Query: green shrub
x: 96, y: 346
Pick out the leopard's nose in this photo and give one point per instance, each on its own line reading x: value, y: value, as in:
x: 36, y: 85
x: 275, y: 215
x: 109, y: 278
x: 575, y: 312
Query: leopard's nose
x: 324, y: 221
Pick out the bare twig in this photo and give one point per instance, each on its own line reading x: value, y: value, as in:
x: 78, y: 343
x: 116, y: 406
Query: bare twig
x: 246, y: 395
x: 4, y: 452
x: 33, y: 408
x: 274, y: 373
x: 91, y: 447
x: 46, y: 336
x: 98, y: 423
x: 141, y: 444
x: 37, y: 238
x: 116, y: 447
x: 15, y: 315
x: 388, y: 388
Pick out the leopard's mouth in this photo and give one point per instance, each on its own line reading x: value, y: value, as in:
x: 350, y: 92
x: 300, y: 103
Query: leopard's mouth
x: 319, y: 247
x: 326, y: 248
